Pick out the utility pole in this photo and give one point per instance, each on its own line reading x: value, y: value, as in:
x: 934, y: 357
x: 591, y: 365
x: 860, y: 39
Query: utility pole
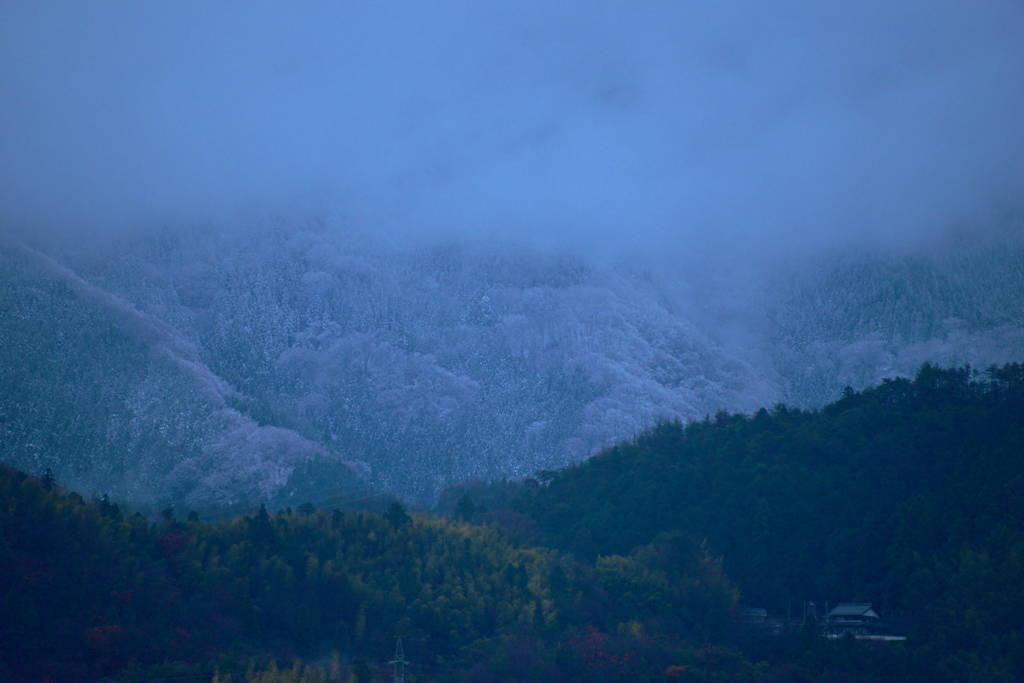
x: 399, y: 662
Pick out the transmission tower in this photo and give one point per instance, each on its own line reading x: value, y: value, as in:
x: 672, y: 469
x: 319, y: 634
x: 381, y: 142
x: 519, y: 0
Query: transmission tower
x: 399, y: 662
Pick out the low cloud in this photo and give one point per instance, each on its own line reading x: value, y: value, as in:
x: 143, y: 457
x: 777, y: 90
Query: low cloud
x: 606, y: 126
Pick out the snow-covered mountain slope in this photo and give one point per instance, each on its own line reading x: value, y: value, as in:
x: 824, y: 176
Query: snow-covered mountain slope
x: 210, y: 367
x: 852, y: 319
x: 116, y: 399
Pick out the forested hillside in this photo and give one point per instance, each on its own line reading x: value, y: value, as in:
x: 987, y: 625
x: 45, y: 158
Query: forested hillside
x: 909, y: 495
x: 89, y: 591
x: 855, y: 318
x: 552, y: 341
x: 631, y: 566
x: 202, y: 368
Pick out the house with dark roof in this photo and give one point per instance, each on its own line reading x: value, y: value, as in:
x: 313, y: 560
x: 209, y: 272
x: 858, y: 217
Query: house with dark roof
x: 851, y: 617
x: 857, y: 619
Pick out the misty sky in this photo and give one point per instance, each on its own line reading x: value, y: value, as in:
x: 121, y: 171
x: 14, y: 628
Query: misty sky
x: 618, y: 125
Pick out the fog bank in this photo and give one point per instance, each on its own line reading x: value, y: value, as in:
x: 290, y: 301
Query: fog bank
x: 603, y: 127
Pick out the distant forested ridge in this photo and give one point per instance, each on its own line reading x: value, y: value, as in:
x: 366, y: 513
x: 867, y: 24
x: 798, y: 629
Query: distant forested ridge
x: 212, y: 367
x: 632, y: 566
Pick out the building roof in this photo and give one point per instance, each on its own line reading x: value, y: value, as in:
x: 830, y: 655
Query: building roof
x: 853, y: 609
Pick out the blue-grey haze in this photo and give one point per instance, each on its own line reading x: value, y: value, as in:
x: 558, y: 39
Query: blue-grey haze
x: 397, y: 244
x: 608, y: 126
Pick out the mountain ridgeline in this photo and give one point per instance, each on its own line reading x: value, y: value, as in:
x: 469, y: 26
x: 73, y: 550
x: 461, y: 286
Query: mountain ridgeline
x: 214, y: 368
x: 631, y: 566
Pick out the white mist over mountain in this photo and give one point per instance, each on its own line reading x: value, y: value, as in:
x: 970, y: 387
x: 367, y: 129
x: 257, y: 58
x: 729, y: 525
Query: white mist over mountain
x: 604, y: 126
x: 254, y: 252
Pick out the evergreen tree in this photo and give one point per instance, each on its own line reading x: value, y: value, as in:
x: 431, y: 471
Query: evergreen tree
x: 465, y: 509
x: 397, y: 516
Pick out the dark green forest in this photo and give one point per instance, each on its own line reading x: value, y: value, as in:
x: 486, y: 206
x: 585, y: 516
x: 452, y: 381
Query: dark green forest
x: 634, y: 565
